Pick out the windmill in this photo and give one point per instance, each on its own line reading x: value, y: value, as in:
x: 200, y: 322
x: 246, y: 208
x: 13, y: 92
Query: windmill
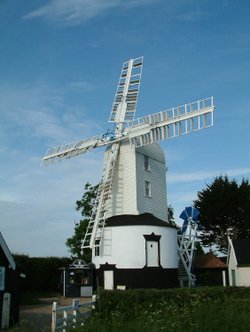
x: 131, y: 134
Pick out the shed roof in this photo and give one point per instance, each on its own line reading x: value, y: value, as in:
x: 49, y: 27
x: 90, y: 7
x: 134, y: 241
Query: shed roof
x: 208, y: 261
x: 4, y: 248
x: 242, y: 251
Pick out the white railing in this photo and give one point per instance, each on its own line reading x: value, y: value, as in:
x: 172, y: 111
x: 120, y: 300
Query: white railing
x: 69, y: 317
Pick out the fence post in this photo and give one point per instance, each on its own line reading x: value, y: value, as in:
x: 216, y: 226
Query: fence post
x: 53, y: 323
x: 75, y: 305
x: 65, y: 322
x: 94, y: 300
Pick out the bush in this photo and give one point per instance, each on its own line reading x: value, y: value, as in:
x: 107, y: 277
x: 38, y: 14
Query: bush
x: 206, y: 309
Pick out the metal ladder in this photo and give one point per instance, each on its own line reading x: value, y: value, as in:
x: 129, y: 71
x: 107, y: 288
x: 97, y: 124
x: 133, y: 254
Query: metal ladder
x: 186, y: 249
x: 94, y: 232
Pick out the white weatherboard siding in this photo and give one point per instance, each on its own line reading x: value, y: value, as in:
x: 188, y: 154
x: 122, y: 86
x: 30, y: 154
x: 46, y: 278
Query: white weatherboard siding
x: 123, y: 198
x: 232, y: 266
x: 242, y: 274
x: 128, y: 191
x: 156, y: 204
x: 128, y: 248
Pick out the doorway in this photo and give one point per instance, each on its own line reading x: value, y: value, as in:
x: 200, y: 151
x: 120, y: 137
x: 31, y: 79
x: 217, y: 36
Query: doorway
x: 108, y: 279
x: 152, y: 253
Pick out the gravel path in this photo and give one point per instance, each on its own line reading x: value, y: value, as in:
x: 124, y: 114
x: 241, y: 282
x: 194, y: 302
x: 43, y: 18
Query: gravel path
x: 37, y: 318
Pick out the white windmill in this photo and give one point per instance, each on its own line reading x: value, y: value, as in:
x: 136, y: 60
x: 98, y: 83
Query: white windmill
x: 132, y: 243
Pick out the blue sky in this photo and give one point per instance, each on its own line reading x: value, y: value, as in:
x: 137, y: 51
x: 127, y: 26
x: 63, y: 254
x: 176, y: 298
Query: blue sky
x: 60, y: 64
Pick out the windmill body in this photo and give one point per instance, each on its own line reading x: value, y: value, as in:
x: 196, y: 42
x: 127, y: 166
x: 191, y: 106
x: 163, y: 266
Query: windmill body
x: 135, y: 169
x: 132, y: 243
x: 138, y: 247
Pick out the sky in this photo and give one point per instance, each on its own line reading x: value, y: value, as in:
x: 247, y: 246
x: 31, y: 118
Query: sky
x: 60, y: 62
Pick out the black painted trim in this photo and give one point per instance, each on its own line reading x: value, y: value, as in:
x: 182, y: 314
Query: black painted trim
x: 147, y: 277
x: 135, y: 220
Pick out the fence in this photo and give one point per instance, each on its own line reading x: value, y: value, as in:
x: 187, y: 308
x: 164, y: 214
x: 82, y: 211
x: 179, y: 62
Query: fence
x: 71, y: 316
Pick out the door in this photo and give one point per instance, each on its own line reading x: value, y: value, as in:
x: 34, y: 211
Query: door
x: 108, y: 279
x: 233, y: 277
x: 152, y: 253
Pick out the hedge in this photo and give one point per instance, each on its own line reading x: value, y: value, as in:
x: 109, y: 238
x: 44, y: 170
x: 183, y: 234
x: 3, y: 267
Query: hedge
x: 42, y: 273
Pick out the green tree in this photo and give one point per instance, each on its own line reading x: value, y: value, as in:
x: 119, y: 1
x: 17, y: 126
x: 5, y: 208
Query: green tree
x: 171, y: 215
x: 224, y: 207
x: 85, y: 205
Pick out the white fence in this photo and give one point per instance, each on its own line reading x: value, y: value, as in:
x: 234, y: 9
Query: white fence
x: 71, y: 316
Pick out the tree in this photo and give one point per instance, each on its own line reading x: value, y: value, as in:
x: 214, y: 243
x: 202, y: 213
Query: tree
x: 171, y: 215
x: 224, y: 207
x: 85, y: 205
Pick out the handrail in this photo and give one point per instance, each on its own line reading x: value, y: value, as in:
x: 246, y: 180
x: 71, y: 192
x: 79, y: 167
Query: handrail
x: 70, y: 316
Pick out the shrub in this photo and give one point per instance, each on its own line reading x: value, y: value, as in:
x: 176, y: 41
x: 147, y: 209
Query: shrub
x: 207, y: 309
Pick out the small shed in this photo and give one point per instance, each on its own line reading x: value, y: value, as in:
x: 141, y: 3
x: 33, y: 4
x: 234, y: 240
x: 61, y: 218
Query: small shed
x: 210, y: 270
x: 78, y: 279
x: 239, y: 262
x: 9, y: 287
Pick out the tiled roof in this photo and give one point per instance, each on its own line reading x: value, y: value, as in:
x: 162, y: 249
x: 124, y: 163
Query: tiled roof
x: 242, y: 251
x: 208, y: 261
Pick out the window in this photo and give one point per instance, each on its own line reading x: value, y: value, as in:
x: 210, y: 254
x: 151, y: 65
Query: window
x: 146, y: 163
x: 147, y: 189
x: 97, y: 248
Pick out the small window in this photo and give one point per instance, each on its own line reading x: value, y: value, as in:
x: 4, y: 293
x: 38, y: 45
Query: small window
x: 146, y: 163
x: 147, y: 189
x: 97, y: 248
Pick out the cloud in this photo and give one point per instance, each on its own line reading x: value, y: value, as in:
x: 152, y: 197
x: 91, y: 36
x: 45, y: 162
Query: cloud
x: 83, y: 85
x: 205, y: 175
x: 43, y: 111
x: 38, y: 203
x: 194, y: 15
x: 75, y: 12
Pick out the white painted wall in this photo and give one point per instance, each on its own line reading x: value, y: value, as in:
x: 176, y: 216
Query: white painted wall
x: 157, y: 203
x: 232, y: 266
x: 242, y: 274
x: 128, y: 246
x: 123, y: 199
x: 129, y: 181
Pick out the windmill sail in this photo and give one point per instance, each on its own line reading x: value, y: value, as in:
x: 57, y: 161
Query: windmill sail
x: 72, y: 149
x: 146, y: 130
x: 174, y: 122
x: 126, y: 96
